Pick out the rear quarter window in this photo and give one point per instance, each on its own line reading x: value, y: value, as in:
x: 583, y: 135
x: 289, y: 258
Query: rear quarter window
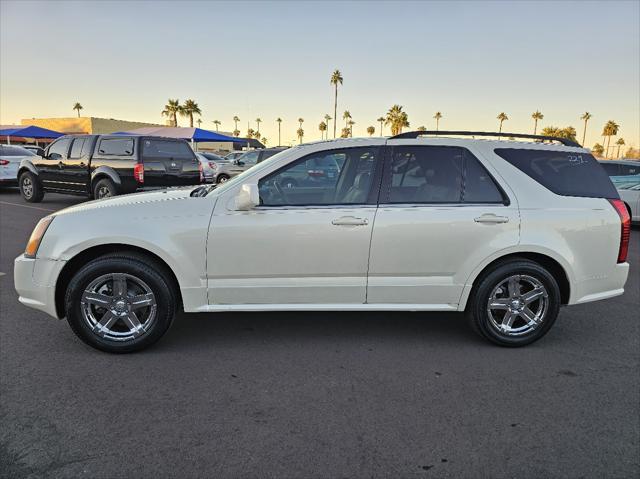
x: 116, y: 147
x: 562, y: 172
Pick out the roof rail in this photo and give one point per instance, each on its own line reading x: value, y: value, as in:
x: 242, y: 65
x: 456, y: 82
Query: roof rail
x: 416, y: 134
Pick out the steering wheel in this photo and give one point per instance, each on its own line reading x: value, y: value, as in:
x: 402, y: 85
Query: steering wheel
x: 280, y: 190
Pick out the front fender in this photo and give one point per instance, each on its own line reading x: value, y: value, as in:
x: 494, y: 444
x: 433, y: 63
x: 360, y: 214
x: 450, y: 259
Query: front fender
x: 26, y: 165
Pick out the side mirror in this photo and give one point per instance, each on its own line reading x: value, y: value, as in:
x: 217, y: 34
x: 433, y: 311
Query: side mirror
x: 248, y: 197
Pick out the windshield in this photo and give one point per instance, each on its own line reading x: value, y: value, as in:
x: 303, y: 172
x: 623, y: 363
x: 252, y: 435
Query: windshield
x: 254, y: 169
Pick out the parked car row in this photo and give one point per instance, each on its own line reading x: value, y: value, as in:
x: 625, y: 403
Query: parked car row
x: 10, y: 158
x: 218, y: 169
x: 625, y: 175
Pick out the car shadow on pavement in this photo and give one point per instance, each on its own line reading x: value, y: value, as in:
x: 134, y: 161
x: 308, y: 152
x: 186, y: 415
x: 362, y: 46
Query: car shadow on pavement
x: 194, y: 330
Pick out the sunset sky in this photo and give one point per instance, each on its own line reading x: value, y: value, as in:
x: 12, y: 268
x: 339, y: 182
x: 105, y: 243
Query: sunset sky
x: 469, y: 60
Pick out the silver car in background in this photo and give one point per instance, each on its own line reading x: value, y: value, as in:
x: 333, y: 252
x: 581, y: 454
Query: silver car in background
x: 10, y: 158
x: 210, y: 165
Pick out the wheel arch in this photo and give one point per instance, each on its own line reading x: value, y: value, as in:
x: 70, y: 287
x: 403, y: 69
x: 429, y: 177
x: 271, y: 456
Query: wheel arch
x: 104, y: 172
x: 551, y: 264
x: 89, y: 254
x: 26, y: 165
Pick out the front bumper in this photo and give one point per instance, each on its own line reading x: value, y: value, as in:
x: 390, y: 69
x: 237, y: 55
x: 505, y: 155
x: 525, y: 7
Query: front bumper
x: 35, y: 282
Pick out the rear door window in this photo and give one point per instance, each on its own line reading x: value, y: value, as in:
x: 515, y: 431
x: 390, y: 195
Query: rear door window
x: 77, y: 147
x: 479, y: 186
x: 116, y: 147
x: 175, y: 150
x: 562, y: 172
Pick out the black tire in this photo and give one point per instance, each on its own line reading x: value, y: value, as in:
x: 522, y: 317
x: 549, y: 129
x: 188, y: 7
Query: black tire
x: 222, y: 178
x: 491, y: 285
x: 30, y: 187
x: 119, y: 338
x: 104, y: 188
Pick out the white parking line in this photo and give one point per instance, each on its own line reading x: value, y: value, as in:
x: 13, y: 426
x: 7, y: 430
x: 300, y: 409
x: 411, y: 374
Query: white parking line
x: 26, y: 206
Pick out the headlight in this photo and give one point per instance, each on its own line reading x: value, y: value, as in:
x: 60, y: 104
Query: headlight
x: 36, y: 236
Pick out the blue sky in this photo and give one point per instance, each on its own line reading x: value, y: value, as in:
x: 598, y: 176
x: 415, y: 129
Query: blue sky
x: 469, y: 60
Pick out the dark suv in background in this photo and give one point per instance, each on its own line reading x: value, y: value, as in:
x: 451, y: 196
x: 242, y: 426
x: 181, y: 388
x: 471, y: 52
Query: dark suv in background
x: 99, y: 166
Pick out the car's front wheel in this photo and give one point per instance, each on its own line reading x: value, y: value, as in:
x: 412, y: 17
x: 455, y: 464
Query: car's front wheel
x: 30, y: 187
x: 120, y: 303
x: 515, y: 303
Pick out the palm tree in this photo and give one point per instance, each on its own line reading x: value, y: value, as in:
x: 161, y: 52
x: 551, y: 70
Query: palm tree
x: 502, y: 117
x: 236, y: 120
x: 258, y: 121
x: 279, y: 120
x: 264, y: 141
x: 346, y: 116
x: 536, y: 115
x: 250, y: 132
x: 301, y: 121
x: 437, y: 117
x: 336, y: 77
x: 217, y: 123
x: 350, y: 124
x: 586, y: 117
x: 236, y: 133
x: 345, y: 133
x: 381, y: 121
x: 568, y: 132
x: 171, y: 110
x: 256, y: 135
x: 598, y: 149
x: 421, y: 128
x: 199, y: 122
x: 397, y: 118
x: 610, y: 129
x: 300, y: 134
x: 371, y: 130
x: 322, y: 127
x: 78, y: 107
x: 620, y: 143
x: 327, y: 119
x: 189, y: 109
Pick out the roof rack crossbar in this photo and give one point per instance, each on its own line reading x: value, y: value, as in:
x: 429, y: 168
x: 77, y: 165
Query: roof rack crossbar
x: 416, y: 134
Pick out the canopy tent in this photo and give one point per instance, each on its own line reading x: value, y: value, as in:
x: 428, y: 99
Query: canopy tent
x: 30, y: 131
x: 192, y: 134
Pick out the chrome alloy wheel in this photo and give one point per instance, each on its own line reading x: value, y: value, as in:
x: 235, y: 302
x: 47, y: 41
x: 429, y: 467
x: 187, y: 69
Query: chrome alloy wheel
x: 518, y: 305
x: 118, y: 307
x: 103, y: 192
x: 27, y: 187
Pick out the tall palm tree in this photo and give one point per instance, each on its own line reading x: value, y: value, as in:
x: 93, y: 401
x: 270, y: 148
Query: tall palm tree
x: 381, y: 121
x: 171, y: 110
x: 502, y: 117
x: 217, y: 123
x: 536, y: 115
x: 610, y: 129
x: 336, y: 77
x: 346, y: 116
x: 322, y: 127
x: 264, y: 141
x: 189, y: 109
x: 345, y: 133
x: 236, y: 133
x: 327, y: 119
x: 620, y: 143
x: 585, y: 117
x: 279, y: 120
x: 371, y: 130
x: 199, y: 122
x: 421, y: 128
x: 301, y: 121
x: 78, y: 107
x: 598, y: 149
x: 236, y: 120
x: 258, y: 121
x: 397, y: 118
x: 256, y: 135
x: 300, y: 134
x: 350, y: 124
x: 437, y: 117
x: 250, y: 132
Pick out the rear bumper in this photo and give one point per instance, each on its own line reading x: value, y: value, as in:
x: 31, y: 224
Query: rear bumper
x: 596, y: 289
x: 35, y: 282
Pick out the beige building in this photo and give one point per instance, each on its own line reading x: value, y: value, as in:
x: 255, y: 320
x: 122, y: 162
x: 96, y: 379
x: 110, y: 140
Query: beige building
x: 86, y: 125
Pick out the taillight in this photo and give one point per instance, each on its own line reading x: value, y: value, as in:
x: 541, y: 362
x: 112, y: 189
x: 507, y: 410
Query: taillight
x: 315, y: 173
x: 4, y: 162
x: 138, y: 172
x: 625, y: 228
x: 201, y: 172
x: 212, y: 165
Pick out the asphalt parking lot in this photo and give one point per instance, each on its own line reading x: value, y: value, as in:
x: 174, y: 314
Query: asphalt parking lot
x: 302, y: 395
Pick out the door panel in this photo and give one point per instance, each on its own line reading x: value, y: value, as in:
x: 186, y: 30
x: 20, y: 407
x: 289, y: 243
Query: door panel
x: 288, y: 256
x: 51, y: 168
x: 76, y: 166
x: 424, y: 254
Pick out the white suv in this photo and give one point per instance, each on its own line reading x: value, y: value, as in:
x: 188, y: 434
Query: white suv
x: 507, y: 231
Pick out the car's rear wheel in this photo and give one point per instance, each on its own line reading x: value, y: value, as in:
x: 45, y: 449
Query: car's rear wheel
x: 120, y: 303
x: 515, y: 303
x: 104, y: 188
x: 30, y: 187
x: 222, y: 178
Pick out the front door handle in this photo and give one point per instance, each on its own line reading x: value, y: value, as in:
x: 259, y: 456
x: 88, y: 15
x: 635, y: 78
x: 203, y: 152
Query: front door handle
x: 492, y: 219
x: 350, y: 221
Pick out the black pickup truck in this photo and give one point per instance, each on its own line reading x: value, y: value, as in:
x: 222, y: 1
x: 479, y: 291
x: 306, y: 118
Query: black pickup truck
x: 99, y: 166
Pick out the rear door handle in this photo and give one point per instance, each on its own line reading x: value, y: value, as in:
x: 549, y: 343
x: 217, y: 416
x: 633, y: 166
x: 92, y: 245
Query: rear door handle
x: 350, y: 221
x: 60, y: 164
x: 490, y: 218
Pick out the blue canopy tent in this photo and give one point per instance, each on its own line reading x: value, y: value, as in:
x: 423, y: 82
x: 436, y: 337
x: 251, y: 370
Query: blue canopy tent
x: 30, y: 131
x: 191, y: 134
